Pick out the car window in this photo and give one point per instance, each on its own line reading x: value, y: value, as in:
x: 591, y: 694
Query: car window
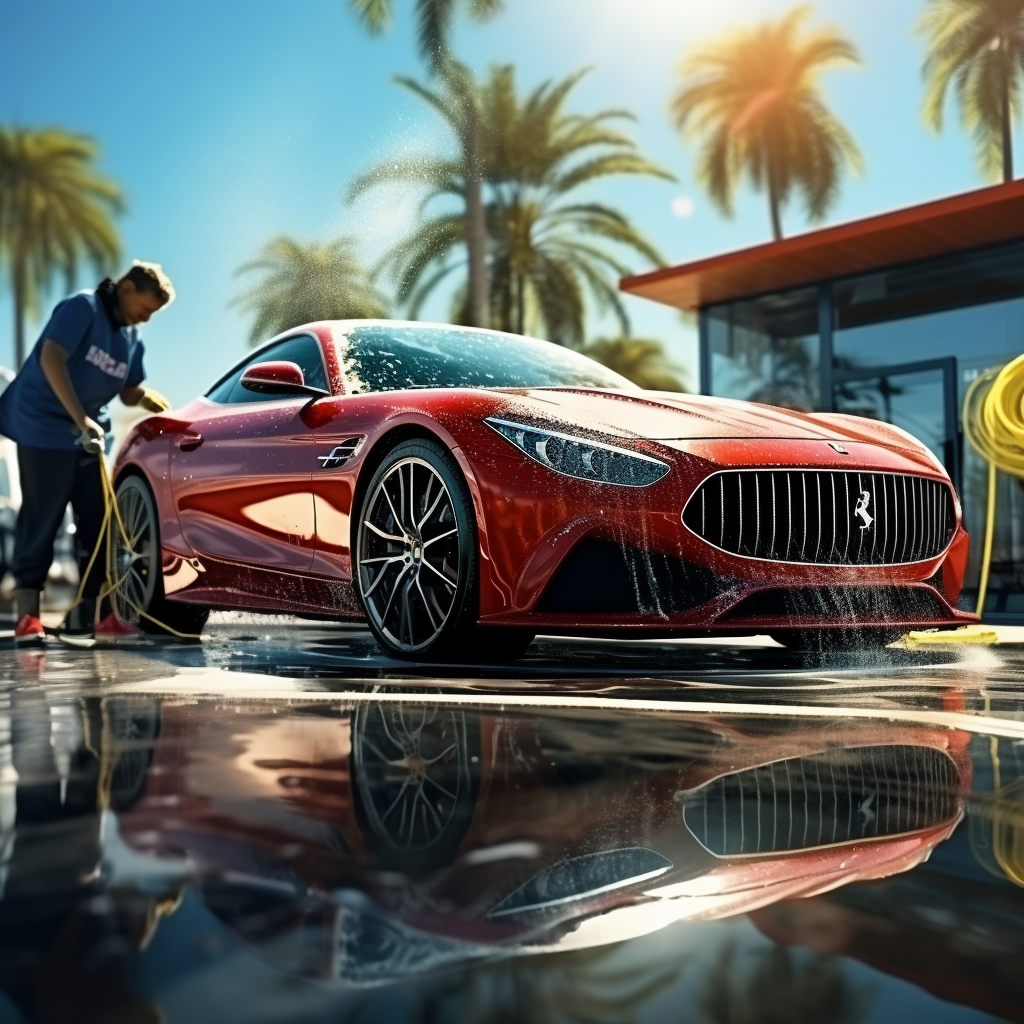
x: 303, y: 350
x: 390, y: 358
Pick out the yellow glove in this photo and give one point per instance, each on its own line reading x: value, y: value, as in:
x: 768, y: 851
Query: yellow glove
x: 153, y: 401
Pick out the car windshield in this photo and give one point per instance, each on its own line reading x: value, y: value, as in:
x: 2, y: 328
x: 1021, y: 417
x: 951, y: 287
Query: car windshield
x: 386, y: 358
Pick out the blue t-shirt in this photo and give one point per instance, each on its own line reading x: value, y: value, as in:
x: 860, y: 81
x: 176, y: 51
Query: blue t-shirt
x: 102, y: 360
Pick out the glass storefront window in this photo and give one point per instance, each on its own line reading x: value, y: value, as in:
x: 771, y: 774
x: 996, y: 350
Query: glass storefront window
x: 968, y: 307
x: 913, y: 401
x: 767, y: 349
x: 949, y: 283
x: 979, y: 337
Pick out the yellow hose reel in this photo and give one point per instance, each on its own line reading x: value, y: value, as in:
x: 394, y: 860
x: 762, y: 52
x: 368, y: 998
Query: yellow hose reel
x: 993, y: 416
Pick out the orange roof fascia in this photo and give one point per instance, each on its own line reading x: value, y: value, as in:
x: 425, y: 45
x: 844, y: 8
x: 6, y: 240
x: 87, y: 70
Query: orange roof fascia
x: 982, y: 217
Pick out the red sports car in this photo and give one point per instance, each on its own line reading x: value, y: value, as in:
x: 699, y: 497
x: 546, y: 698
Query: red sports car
x: 397, y: 838
x: 464, y: 490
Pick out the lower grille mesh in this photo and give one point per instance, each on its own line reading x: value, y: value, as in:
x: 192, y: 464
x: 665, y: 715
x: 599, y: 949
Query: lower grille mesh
x: 835, y: 797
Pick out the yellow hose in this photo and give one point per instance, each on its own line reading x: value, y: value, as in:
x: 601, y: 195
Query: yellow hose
x: 993, y: 416
x: 112, y: 515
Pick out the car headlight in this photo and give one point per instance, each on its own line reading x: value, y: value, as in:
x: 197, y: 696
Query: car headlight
x: 580, y: 458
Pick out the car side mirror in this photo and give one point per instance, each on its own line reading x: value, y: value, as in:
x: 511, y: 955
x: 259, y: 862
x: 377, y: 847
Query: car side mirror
x: 278, y: 378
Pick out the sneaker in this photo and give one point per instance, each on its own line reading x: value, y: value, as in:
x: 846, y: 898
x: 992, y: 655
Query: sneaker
x: 113, y: 630
x: 29, y: 630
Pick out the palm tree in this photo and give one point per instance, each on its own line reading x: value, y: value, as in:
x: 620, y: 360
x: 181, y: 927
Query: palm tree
x: 304, y: 282
x: 641, y: 360
x: 55, y: 211
x: 434, y: 19
x: 753, y: 101
x: 977, y: 47
x: 545, y: 251
x: 434, y: 22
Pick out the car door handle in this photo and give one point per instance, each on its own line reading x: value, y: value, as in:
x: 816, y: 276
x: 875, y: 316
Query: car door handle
x: 189, y: 442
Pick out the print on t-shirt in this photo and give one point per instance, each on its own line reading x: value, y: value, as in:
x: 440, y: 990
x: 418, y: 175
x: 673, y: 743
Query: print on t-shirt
x: 105, y: 362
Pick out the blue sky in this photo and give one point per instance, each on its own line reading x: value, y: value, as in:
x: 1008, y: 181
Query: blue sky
x: 228, y: 122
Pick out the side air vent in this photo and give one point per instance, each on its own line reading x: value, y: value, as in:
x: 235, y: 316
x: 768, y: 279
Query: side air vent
x: 340, y: 453
x: 599, y: 576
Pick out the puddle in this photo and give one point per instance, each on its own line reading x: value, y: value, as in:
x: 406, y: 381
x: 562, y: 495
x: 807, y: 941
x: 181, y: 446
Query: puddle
x: 187, y: 836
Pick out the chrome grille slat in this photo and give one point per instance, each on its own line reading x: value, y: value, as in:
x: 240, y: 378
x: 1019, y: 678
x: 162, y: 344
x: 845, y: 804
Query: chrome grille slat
x: 824, y: 799
x: 788, y: 537
x: 809, y: 516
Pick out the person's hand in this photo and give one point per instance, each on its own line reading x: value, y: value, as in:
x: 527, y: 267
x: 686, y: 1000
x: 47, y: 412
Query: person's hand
x: 94, y: 439
x: 153, y: 401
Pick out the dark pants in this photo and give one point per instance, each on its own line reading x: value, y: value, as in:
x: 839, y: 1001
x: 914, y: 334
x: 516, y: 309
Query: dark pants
x: 49, y: 480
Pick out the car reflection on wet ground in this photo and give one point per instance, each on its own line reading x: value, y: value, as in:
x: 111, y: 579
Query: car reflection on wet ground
x: 278, y: 824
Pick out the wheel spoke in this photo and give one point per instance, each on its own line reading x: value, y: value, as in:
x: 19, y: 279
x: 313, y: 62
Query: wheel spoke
x: 380, y: 753
x: 438, y: 823
x: 398, y: 518
x: 426, y: 604
x: 405, y: 614
x: 447, y: 581
x: 380, y: 533
x: 444, y: 753
x: 412, y: 495
x: 434, y: 782
x: 380, y: 577
x: 394, y: 803
x: 401, y: 820
x: 434, y: 540
x: 130, y: 513
x: 426, y: 498
x: 401, y: 497
x: 387, y: 732
x: 391, y: 597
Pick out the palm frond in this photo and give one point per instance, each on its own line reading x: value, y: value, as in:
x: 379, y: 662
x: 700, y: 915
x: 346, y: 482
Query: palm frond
x: 305, y: 282
x: 56, y: 211
x: 376, y: 15
x: 975, y: 50
x: 534, y: 154
x: 747, y: 101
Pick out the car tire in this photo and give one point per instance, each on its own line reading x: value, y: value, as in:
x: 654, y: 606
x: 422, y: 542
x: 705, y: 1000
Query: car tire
x: 136, y: 565
x: 416, y: 561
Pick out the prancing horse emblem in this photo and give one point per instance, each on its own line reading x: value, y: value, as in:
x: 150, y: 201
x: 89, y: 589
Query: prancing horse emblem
x: 862, y: 509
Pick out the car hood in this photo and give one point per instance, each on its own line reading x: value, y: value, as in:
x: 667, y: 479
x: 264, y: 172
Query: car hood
x: 667, y: 416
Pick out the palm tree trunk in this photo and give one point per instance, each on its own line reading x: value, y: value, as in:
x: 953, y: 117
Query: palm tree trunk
x: 1007, y: 129
x: 773, y: 206
x: 476, y: 227
x: 18, y: 274
x: 520, y: 304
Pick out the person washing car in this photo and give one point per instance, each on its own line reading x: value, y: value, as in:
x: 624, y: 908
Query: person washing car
x: 88, y: 353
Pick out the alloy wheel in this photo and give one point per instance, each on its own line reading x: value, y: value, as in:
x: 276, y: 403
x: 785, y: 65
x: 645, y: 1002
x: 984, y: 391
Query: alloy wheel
x: 414, y: 778
x: 134, y: 565
x: 408, y: 558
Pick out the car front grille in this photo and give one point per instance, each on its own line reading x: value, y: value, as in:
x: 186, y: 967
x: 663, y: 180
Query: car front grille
x: 839, y: 796
x: 823, y: 517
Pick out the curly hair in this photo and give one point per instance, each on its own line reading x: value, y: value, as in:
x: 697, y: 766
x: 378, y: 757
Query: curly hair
x: 150, y: 277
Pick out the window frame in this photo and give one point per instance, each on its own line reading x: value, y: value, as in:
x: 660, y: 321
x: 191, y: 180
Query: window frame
x: 260, y: 356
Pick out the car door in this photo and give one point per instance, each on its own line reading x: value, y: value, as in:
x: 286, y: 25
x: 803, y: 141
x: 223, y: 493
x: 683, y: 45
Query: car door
x: 242, y: 471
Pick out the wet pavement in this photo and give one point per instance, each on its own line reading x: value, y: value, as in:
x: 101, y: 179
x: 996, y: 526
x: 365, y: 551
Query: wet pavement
x: 280, y: 825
